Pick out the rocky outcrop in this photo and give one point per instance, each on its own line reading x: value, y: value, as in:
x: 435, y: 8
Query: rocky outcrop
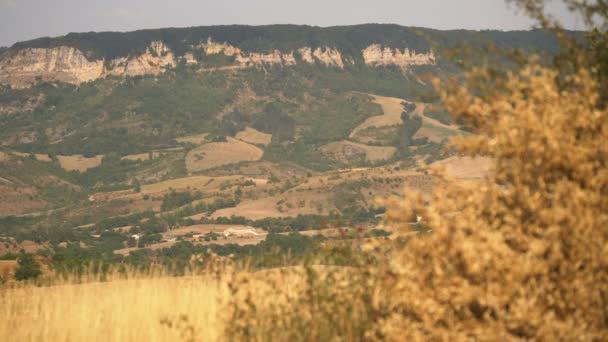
x: 329, y: 57
x: 251, y: 59
x: 25, y: 67
x: 375, y: 55
x: 155, y: 60
x: 326, y: 56
x: 64, y: 64
x: 67, y: 64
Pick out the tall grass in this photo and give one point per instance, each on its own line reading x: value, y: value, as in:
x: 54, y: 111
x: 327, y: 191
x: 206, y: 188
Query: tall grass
x: 146, y: 308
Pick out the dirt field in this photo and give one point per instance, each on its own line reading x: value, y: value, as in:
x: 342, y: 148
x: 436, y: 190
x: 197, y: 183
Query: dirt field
x: 39, y: 156
x: 79, y: 163
x: 221, y: 153
x: 252, y: 136
x: 466, y: 167
x: 392, y: 114
x: 202, y: 183
x: 347, y: 150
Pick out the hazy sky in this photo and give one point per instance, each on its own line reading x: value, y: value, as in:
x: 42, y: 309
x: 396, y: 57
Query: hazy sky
x: 27, y: 19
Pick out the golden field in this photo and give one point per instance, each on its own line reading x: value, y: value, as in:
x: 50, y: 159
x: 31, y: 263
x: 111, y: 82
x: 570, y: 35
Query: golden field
x: 145, y: 309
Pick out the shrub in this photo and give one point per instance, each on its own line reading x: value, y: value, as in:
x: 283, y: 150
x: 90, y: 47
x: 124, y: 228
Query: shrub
x: 521, y: 255
x: 28, y: 268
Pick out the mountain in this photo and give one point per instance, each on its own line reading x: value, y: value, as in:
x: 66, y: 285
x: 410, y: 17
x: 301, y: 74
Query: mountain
x: 82, y: 57
x: 277, y: 127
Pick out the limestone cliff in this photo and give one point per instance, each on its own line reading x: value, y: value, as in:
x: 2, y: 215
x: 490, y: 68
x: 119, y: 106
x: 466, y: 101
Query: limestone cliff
x: 65, y: 64
x: 375, y: 55
x: 155, y: 60
x: 251, y: 59
x: 327, y: 56
x: 24, y: 67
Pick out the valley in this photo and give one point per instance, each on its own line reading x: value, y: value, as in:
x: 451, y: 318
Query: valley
x: 126, y: 148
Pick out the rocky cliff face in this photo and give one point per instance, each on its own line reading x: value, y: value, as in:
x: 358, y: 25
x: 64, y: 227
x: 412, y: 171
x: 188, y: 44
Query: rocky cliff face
x: 375, y: 55
x: 327, y: 56
x: 155, y: 60
x: 25, y: 67
x: 63, y: 64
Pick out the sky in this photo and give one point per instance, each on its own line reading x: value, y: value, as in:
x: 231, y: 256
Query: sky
x: 27, y: 19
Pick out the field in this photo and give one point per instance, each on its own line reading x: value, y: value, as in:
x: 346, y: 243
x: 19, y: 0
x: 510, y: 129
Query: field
x: 38, y: 156
x: 79, y: 163
x: 217, y: 154
x: 392, y: 108
x: 466, y: 168
x: 346, y: 151
x: 121, y: 310
x: 252, y: 136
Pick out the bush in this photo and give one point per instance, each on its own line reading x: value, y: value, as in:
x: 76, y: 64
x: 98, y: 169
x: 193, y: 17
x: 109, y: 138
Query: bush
x: 28, y: 268
x: 523, y: 258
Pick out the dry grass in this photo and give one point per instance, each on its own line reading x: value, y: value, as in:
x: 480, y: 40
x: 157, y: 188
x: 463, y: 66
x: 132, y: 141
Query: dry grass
x: 7, y: 268
x: 252, y: 136
x: 392, y: 108
x: 158, y: 308
x: 253, y: 210
x: 465, y: 167
x: 202, y: 183
x: 79, y: 163
x: 345, y: 151
x: 38, y: 156
x: 152, y: 309
x: 221, y: 153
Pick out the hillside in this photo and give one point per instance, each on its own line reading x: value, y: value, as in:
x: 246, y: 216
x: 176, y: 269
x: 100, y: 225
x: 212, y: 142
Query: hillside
x: 107, y: 136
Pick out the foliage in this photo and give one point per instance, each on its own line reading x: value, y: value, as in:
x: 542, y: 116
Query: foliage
x: 28, y: 268
x: 543, y: 210
x: 519, y: 255
x: 411, y: 124
x: 175, y: 199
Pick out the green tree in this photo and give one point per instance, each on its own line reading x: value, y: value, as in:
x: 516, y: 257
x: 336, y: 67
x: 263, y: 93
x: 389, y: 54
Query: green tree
x: 411, y: 125
x: 28, y: 267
